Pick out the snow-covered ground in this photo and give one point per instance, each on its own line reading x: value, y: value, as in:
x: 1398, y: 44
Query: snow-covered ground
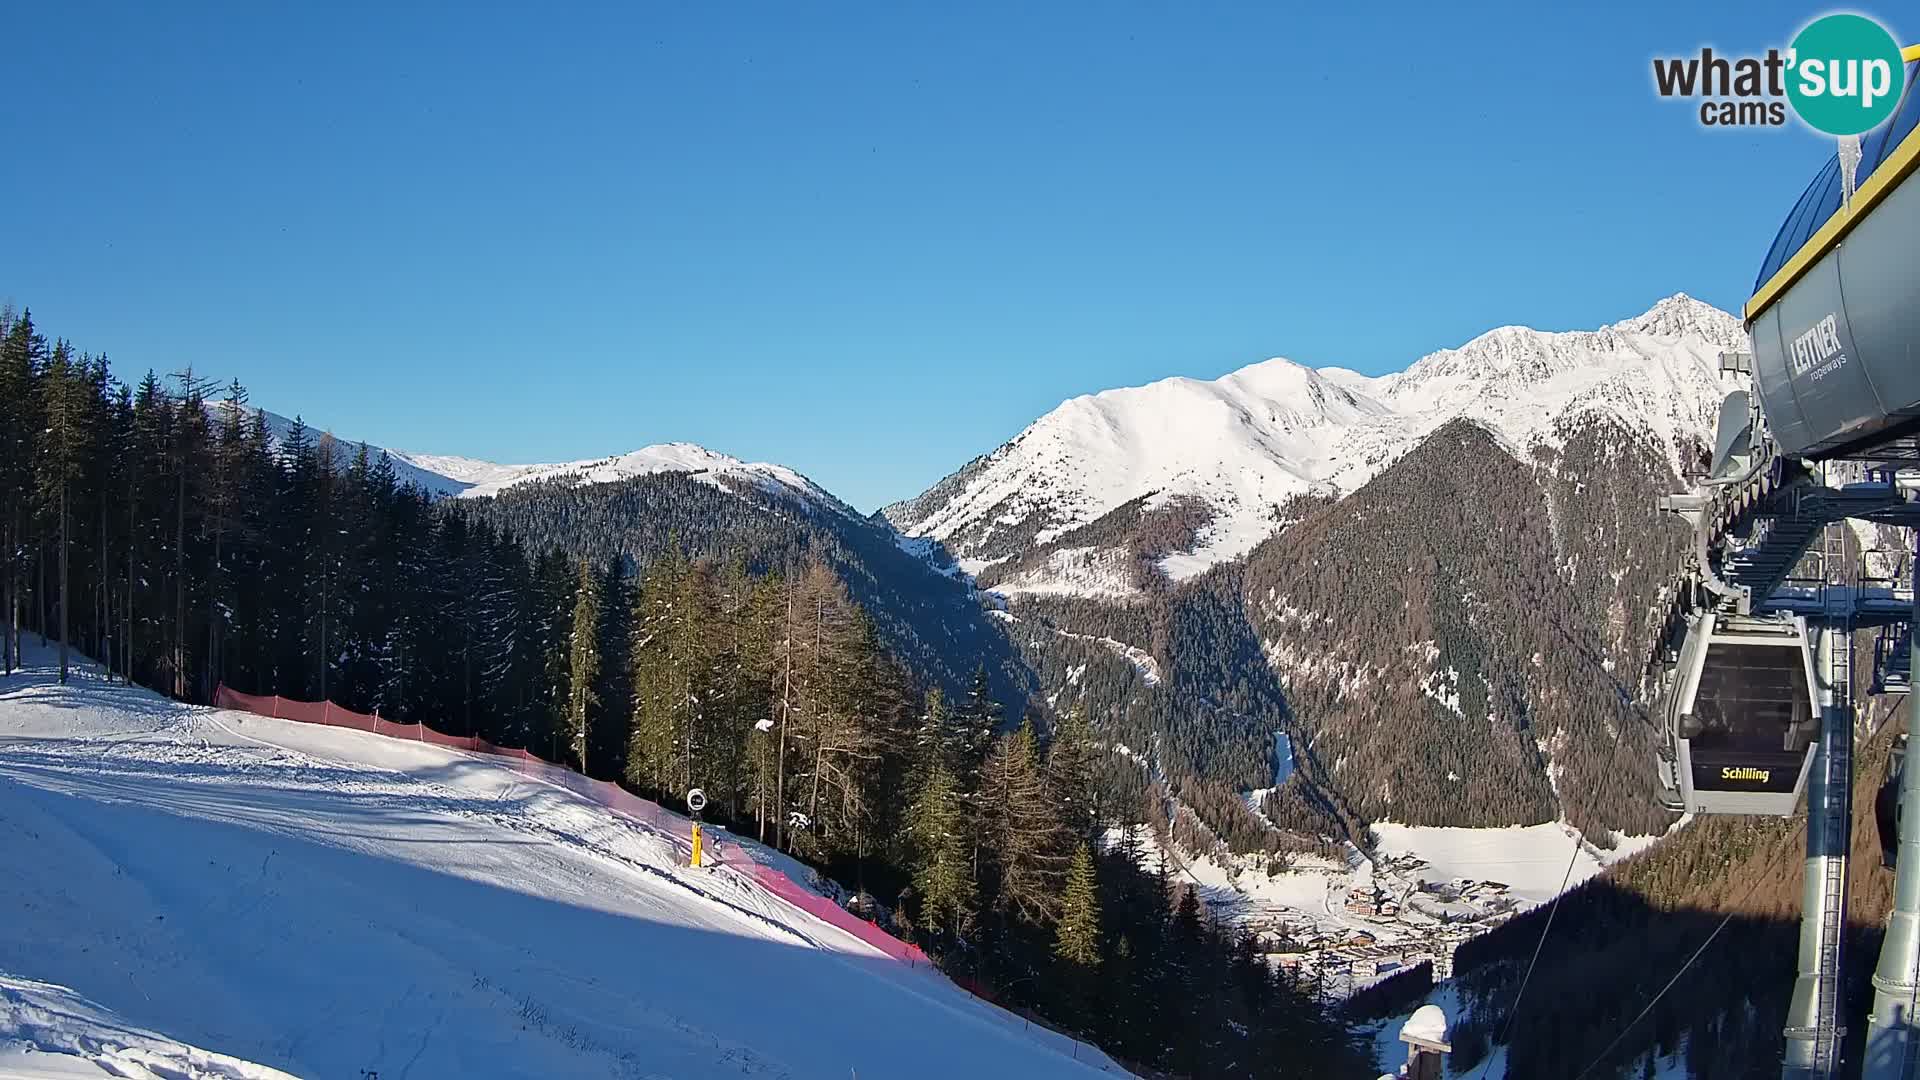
x: 1390, y: 1052
x: 196, y: 890
x: 1105, y: 573
x: 1474, y: 880
x: 1141, y: 660
x: 1531, y: 860
x: 49, y: 1032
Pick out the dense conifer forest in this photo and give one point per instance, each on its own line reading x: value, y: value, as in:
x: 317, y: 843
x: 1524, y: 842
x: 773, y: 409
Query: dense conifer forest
x: 1461, y: 639
x: 159, y: 528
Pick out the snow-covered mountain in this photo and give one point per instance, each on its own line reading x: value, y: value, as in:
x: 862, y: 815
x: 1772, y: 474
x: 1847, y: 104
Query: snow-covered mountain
x: 404, y: 468
x: 1242, y: 444
x: 465, y: 477
x: 477, y: 479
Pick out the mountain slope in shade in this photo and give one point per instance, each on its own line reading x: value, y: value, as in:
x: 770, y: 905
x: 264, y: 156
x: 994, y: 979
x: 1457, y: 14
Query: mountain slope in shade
x: 1242, y: 445
x: 1448, y: 637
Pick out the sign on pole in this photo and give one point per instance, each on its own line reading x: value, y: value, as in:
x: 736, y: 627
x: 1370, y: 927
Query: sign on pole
x: 696, y: 802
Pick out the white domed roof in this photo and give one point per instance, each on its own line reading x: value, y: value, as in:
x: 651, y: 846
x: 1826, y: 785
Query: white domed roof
x: 1427, y: 1023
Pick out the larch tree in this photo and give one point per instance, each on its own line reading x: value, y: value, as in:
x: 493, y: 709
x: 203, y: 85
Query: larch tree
x: 1020, y: 830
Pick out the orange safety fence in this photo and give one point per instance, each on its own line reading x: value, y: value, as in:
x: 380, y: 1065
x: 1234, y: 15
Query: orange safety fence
x: 754, y: 863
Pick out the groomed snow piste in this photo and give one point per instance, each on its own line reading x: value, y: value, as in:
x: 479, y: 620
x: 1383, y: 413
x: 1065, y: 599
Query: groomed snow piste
x: 199, y: 893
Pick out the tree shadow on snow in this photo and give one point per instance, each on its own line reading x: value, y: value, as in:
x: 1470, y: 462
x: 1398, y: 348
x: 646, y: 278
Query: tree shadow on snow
x: 256, y: 915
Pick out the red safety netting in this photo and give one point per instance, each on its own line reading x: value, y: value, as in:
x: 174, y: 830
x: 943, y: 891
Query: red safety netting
x: 833, y: 914
x: 751, y: 862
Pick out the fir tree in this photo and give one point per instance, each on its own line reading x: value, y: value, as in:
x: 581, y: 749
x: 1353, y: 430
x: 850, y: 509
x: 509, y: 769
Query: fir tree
x: 1071, y: 757
x: 22, y: 351
x: 64, y: 400
x: 972, y: 729
x: 663, y: 680
x: 932, y: 737
x: 1077, y: 935
x: 942, y: 875
x: 585, y: 661
x: 969, y: 736
x: 607, y: 728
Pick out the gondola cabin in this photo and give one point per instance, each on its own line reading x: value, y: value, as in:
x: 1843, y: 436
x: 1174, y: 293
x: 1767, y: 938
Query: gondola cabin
x: 1741, y: 717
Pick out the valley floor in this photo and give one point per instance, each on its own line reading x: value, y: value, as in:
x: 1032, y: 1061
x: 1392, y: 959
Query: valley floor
x: 1444, y: 885
x: 191, y: 891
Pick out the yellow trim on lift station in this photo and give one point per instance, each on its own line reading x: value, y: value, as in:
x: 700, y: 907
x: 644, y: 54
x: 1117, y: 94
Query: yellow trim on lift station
x: 1895, y: 168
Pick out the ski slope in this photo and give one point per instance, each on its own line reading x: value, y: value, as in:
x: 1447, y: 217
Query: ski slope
x: 257, y: 895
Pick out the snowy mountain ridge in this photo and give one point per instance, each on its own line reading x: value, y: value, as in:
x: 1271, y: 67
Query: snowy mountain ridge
x: 471, y: 478
x: 485, y: 478
x: 1245, y: 442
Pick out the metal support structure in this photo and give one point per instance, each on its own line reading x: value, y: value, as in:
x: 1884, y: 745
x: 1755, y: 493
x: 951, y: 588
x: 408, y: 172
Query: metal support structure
x: 1813, y: 1028
x: 1891, y: 1032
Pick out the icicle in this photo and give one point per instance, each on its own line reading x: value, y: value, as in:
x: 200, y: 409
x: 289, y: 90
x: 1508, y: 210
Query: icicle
x: 1849, y: 164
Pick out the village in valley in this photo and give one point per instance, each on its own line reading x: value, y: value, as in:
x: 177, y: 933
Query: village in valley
x: 1393, y: 920
x: 1352, y: 919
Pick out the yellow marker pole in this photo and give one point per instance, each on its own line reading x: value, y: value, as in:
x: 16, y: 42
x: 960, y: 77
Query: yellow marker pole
x: 696, y: 843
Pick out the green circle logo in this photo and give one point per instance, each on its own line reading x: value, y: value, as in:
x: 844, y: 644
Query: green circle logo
x: 1845, y: 74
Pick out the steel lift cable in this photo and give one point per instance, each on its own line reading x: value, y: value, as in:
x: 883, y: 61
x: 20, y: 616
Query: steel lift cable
x: 1655, y: 1000
x: 1552, y: 910
x: 1733, y: 908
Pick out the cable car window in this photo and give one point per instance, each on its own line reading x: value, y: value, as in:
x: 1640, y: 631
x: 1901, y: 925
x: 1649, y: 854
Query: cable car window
x: 1752, y: 699
x: 1751, y: 725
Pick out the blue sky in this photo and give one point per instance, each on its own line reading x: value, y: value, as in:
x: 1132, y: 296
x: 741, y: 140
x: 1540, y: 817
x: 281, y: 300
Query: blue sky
x: 868, y: 241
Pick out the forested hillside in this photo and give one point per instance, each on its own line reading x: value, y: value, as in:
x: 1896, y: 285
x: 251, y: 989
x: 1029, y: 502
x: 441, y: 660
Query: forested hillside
x: 187, y: 548
x: 933, y: 622
x: 1459, y: 638
x: 1457, y: 643
x: 1189, y: 709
